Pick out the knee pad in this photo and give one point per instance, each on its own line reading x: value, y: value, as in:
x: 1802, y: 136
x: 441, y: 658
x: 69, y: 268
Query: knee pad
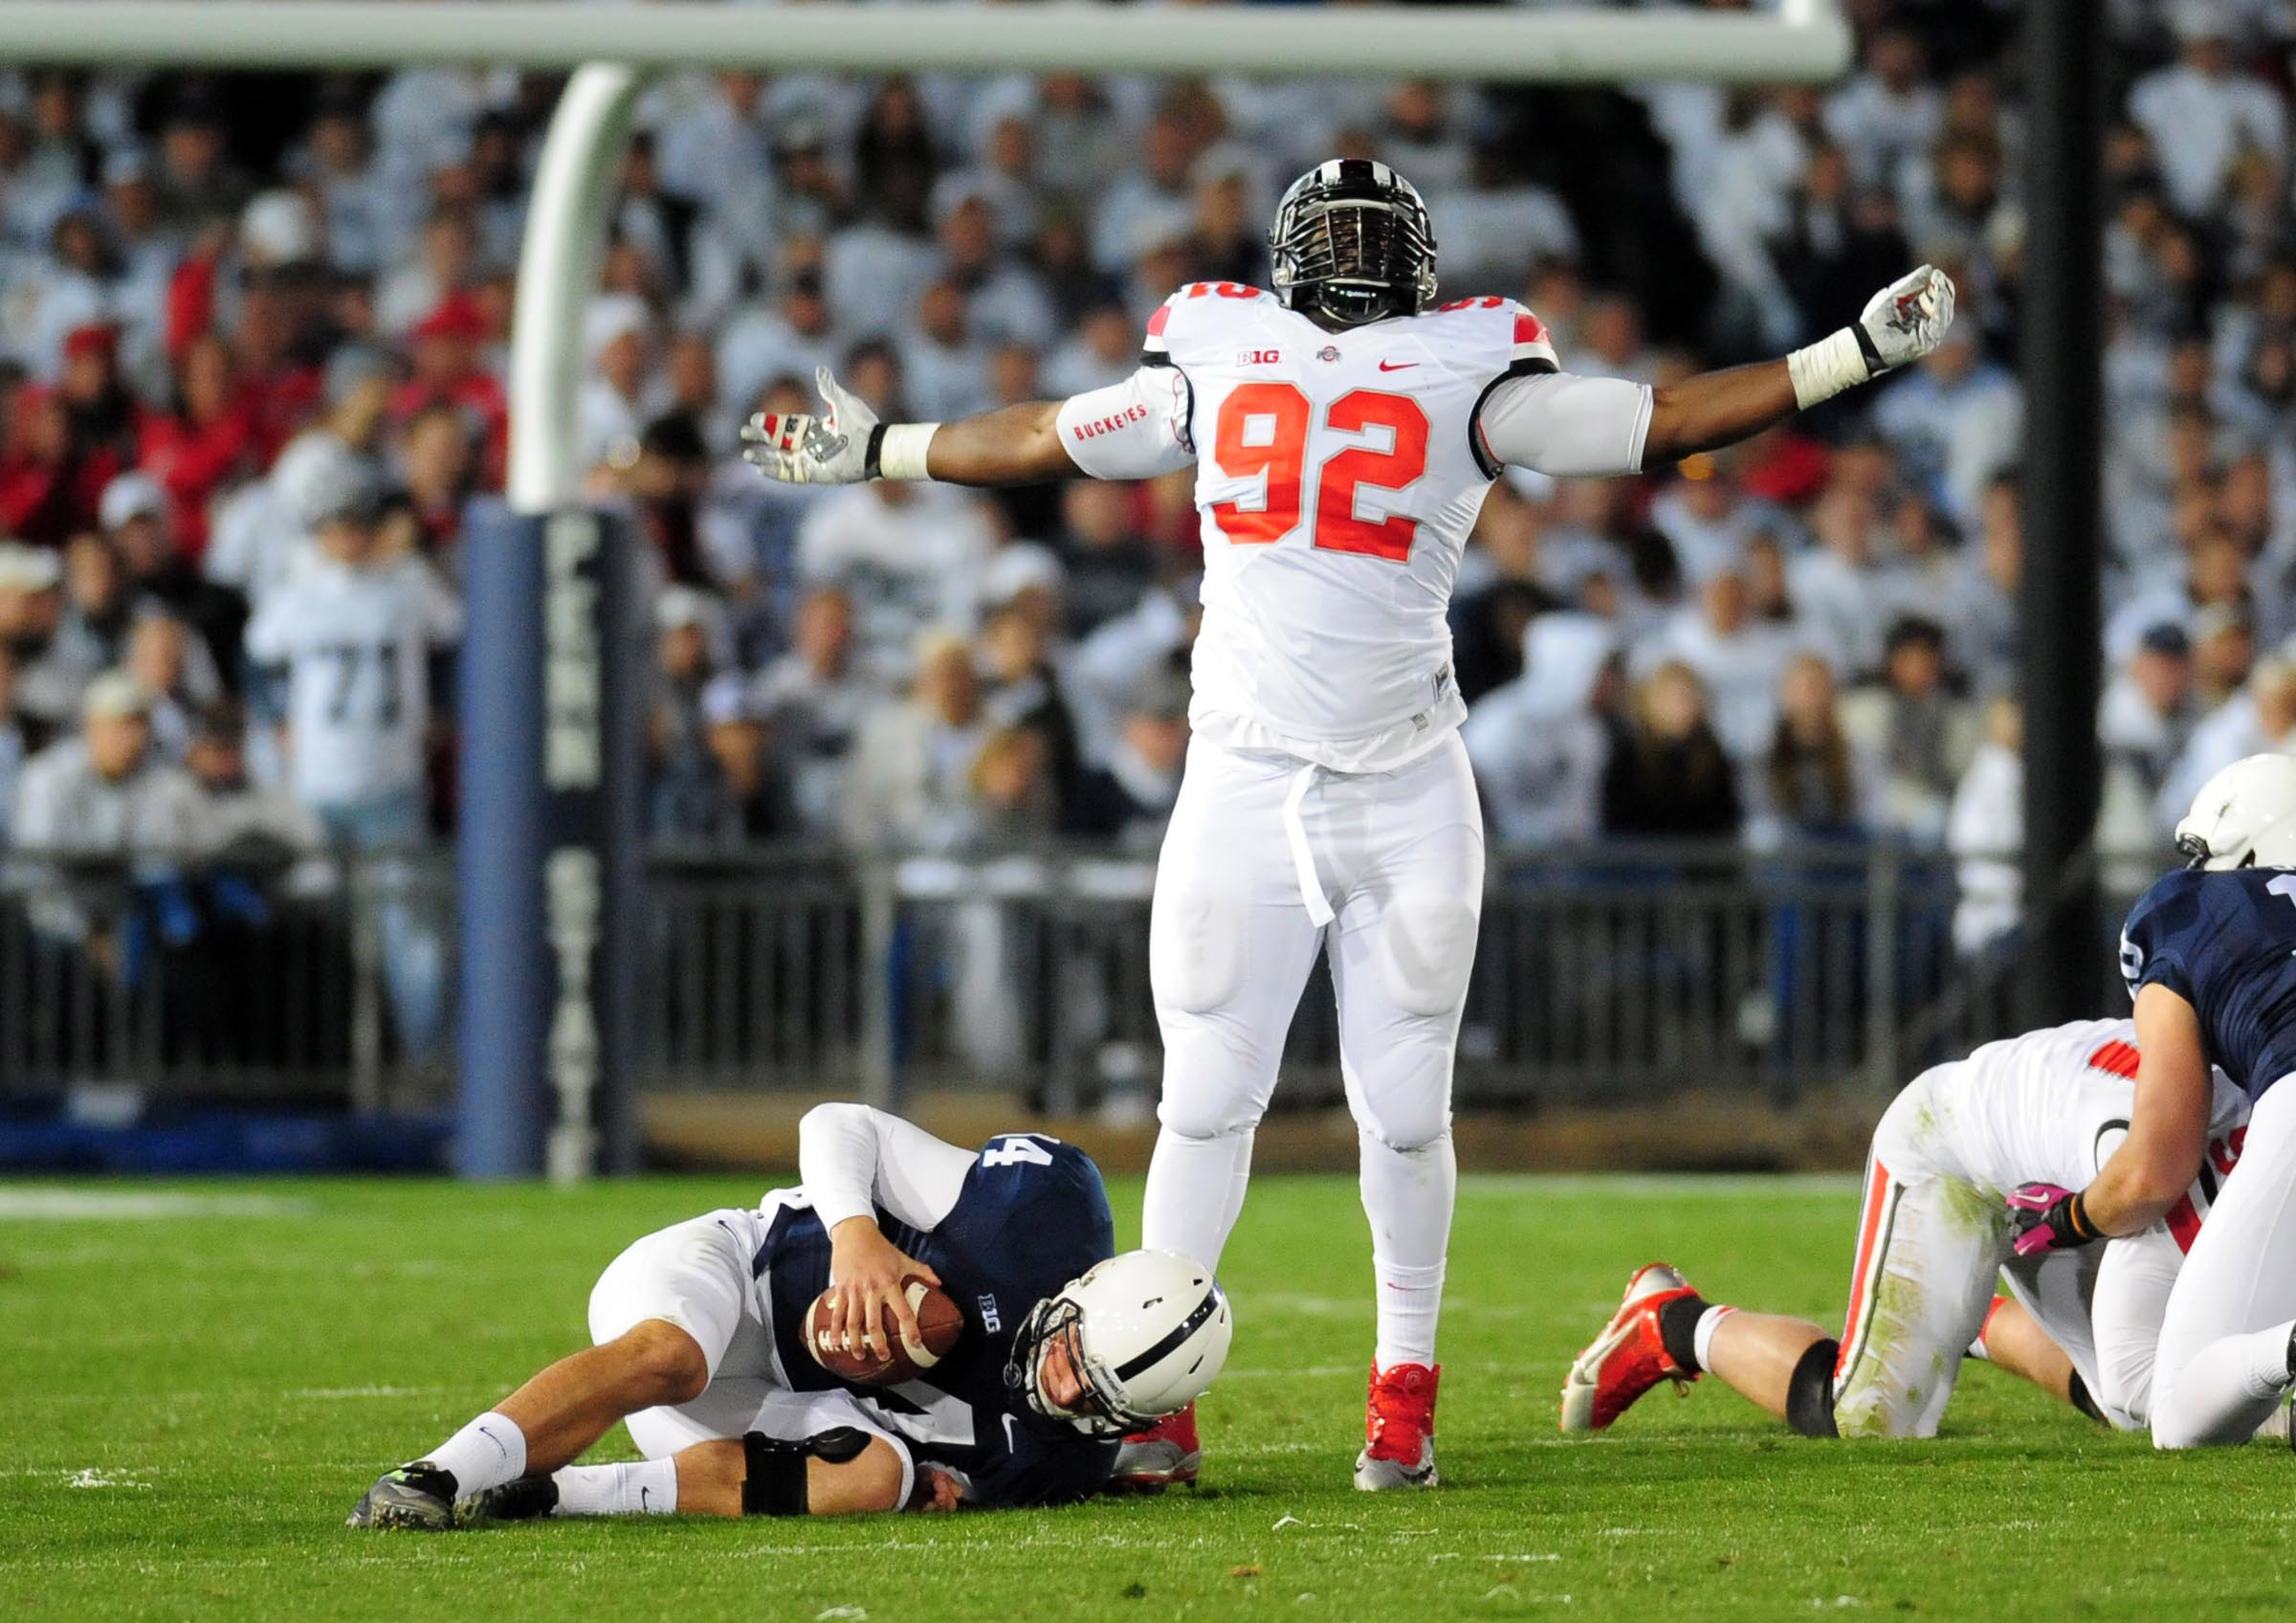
x: 1810, y: 1390
x: 773, y: 1475
x: 1427, y: 951
x: 773, y: 1479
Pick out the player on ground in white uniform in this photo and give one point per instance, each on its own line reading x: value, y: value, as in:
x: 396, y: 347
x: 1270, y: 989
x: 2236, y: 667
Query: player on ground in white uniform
x: 702, y: 1348
x: 1343, y: 430
x: 1933, y: 1237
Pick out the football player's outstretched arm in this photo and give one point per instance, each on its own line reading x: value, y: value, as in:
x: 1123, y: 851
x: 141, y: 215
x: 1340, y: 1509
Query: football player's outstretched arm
x: 1899, y: 324
x: 1132, y: 428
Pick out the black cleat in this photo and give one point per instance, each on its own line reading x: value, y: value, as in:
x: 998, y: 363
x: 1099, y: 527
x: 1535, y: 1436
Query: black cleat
x: 521, y: 1501
x: 419, y: 1497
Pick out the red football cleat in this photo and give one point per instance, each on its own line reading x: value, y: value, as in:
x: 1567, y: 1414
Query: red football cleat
x: 1628, y: 1358
x: 1399, y: 1429
x: 1166, y: 1453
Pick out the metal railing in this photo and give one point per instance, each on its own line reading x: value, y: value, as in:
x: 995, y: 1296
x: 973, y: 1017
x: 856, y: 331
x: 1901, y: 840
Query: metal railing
x: 1612, y: 974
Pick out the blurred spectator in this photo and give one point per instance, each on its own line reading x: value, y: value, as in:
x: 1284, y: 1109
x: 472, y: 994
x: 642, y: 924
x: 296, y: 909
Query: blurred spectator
x: 208, y: 437
x: 2201, y: 113
x: 682, y: 776
x: 1986, y: 830
x: 816, y: 702
x: 1738, y: 660
x: 1020, y: 687
x: 1541, y: 744
x: 48, y: 676
x: 1815, y: 783
x: 1130, y: 799
x: 1956, y: 419
x: 1668, y: 775
x: 355, y: 633
x: 1105, y: 562
x: 2258, y: 720
x: 909, y: 556
x: 247, y: 822
x: 909, y: 784
x: 2148, y: 714
x: 101, y: 798
x: 1915, y: 728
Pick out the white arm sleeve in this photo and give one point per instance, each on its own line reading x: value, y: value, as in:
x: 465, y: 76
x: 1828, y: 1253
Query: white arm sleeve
x: 1133, y: 430
x: 852, y: 1160
x: 1567, y: 426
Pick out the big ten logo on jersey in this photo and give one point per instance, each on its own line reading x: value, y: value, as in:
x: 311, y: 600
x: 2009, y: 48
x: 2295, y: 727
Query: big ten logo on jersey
x: 1259, y: 357
x: 1018, y: 1149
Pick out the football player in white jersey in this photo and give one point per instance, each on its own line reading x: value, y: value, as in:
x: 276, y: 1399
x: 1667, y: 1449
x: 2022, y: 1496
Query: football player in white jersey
x: 1344, y: 428
x: 1933, y: 1237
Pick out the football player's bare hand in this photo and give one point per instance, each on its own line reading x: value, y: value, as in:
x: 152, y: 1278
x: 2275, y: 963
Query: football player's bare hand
x: 867, y: 1272
x: 1907, y: 319
x: 797, y: 448
x: 936, y: 1493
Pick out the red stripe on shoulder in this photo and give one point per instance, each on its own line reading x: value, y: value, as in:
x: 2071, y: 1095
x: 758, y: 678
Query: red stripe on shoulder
x: 1529, y: 328
x: 1157, y: 322
x: 2116, y: 1059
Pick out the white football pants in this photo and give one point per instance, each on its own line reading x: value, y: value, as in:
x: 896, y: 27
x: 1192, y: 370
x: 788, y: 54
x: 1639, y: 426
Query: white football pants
x: 2223, y: 1361
x: 1932, y: 1242
x: 1265, y: 861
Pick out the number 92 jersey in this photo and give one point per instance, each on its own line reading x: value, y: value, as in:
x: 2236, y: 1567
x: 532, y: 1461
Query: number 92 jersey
x: 2226, y: 944
x: 1338, y: 476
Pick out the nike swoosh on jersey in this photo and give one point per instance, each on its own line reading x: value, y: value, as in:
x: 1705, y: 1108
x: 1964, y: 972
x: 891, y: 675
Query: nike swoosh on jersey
x: 1397, y: 365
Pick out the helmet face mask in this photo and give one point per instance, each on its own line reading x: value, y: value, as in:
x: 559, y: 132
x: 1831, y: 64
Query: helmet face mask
x: 1352, y: 244
x: 1144, y: 1333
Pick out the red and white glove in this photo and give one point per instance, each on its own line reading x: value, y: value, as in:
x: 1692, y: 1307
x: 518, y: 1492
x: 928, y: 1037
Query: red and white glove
x: 846, y: 444
x: 1899, y: 326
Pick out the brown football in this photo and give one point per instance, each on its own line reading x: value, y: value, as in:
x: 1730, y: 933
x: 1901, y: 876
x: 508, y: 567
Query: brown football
x: 938, y: 1320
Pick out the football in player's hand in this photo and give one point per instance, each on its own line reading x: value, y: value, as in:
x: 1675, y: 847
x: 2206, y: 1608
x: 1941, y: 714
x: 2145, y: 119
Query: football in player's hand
x: 938, y: 1324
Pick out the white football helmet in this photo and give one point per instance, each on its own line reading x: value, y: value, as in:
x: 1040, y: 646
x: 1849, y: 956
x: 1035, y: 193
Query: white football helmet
x: 1147, y: 1330
x: 2243, y: 818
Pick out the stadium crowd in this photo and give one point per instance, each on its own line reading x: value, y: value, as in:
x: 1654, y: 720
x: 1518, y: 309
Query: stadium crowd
x: 255, y: 342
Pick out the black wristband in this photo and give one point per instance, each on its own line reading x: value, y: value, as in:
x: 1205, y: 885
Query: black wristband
x: 869, y: 469
x: 1867, y: 349
x: 2076, y: 1219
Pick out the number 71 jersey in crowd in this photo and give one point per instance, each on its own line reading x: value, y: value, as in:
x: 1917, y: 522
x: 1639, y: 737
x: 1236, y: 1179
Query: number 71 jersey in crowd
x: 1338, y: 475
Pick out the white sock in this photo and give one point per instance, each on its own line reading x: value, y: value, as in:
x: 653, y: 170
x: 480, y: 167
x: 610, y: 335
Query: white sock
x: 485, y: 1453
x: 1195, y: 1193
x: 1702, y: 1333
x: 1408, y: 1195
x: 644, y: 1487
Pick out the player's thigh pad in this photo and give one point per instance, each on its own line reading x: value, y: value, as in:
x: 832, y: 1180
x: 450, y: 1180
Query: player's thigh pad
x: 693, y: 1275
x: 1420, y: 902
x: 1226, y: 888
x: 1928, y: 1255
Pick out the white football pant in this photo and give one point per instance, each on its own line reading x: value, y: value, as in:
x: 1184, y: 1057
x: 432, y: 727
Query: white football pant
x: 2224, y: 1346
x: 1268, y: 861
x: 1932, y: 1243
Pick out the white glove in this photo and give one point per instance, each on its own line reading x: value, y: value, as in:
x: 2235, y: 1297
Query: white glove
x: 1905, y: 319
x: 1901, y: 323
x: 796, y: 449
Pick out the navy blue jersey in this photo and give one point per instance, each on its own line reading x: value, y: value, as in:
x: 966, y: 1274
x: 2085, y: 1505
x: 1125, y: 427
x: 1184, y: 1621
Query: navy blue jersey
x: 2226, y: 944
x: 1032, y: 1216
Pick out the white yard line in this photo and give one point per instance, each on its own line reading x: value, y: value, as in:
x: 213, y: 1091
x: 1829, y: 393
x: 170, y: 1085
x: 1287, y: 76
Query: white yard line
x: 37, y: 1203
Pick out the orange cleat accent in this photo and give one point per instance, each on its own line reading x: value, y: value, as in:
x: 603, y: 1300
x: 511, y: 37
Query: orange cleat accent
x: 1629, y: 1357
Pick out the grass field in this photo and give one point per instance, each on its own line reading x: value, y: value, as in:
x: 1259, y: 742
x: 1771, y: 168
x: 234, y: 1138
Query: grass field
x: 196, y: 1381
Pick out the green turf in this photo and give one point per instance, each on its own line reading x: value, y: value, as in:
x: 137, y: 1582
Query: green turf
x: 190, y: 1402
